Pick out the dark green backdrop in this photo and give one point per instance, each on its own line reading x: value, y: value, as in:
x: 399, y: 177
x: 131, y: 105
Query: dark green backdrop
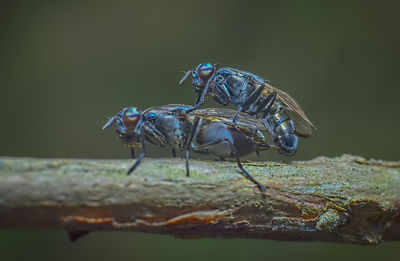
x: 65, y: 65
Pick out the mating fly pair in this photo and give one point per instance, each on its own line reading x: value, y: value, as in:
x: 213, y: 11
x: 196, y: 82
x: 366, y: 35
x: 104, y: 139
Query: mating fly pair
x: 221, y: 132
x: 281, y: 114
x: 207, y: 131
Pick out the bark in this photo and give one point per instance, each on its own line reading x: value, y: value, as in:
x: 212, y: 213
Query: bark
x: 343, y: 199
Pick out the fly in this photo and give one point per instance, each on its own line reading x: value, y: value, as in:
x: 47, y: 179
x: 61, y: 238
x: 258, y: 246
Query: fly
x: 207, y: 131
x: 249, y: 93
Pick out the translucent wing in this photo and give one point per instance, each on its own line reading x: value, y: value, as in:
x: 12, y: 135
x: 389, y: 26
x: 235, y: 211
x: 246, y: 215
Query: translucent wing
x: 303, y: 125
x: 169, y: 108
x: 226, y: 115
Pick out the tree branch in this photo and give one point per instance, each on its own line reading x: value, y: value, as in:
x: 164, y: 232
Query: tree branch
x: 343, y: 199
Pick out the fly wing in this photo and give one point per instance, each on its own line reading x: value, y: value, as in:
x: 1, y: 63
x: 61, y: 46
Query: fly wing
x: 303, y: 125
x: 169, y: 108
x: 303, y: 128
x: 226, y: 115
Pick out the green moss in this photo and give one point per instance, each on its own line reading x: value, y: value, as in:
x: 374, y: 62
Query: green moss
x: 330, y: 221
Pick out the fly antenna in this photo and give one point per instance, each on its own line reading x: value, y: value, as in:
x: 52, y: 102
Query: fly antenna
x: 184, y: 78
x: 109, y: 123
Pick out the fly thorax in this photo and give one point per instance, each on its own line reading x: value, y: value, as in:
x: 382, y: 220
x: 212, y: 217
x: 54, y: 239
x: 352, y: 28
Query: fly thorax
x: 237, y: 87
x: 179, y: 138
x: 178, y: 132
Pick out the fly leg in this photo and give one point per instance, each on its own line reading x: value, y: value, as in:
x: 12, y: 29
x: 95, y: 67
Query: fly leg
x: 219, y: 98
x: 235, y: 154
x: 270, y: 130
x: 223, y: 96
x: 265, y: 146
x: 197, y: 99
x: 141, y: 156
x: 252, y: 99
x: 188, y: 144
x: 201, y: 98
x: 267, y: 103
x: 249, y: 101
x: 207, y: 147
x: 266, y: 107
x: 236, y: 114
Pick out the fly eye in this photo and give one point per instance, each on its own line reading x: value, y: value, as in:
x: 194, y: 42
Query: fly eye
x: 131, y: 117
x: 133, y: 114
x: 205, y: 71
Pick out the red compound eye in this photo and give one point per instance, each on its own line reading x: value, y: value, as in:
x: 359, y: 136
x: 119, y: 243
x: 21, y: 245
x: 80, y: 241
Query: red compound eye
x: 131, y: 117
x: 205, y: 71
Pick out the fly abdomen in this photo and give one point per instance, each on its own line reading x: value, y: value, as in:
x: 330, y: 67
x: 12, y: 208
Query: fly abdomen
x: 284, y: 127
x: 287, y: 143
x: 283, y: 130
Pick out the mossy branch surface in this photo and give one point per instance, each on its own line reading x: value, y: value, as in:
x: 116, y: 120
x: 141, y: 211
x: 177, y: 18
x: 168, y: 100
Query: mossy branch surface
x: 343, y: 199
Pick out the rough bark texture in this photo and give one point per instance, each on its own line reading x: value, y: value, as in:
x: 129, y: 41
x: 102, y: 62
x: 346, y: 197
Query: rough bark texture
x: 343, y: 199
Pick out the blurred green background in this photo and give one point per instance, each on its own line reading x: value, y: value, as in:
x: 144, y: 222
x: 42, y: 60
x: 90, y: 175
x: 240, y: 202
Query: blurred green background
x: 65, y: 65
